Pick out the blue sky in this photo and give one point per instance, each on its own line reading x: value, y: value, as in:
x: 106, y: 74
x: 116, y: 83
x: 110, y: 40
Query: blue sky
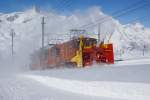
x: 67, y: 6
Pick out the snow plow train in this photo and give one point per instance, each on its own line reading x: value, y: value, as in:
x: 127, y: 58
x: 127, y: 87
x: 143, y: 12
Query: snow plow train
x: 81, y: 52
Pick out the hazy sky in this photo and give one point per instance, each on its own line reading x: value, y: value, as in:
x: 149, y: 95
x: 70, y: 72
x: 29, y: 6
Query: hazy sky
x: 68, y: 6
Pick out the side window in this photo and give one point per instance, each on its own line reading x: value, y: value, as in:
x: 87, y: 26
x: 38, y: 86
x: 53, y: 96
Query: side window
x: 87, y: 42
x: 55, y: 51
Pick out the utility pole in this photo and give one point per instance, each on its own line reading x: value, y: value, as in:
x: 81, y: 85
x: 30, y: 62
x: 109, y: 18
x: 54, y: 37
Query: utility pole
x: 144, y: 47
x: 41, y: 57
x: 99, y: 32
x: 12, y: 34
x: 43, y: 22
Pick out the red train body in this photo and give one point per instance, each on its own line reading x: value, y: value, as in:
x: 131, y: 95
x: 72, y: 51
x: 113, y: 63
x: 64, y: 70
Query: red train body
x: 61, y: 54
x: 101, y: 54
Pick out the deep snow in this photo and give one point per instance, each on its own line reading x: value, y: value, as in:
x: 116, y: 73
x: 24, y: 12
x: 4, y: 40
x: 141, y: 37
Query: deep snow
x: 126, y: 80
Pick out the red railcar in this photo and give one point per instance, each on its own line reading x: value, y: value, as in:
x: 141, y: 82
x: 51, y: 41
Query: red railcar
x: 84, y: 53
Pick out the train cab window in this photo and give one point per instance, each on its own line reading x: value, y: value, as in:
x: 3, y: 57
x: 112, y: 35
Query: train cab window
x: 94, y: 42
x: 87, y: 42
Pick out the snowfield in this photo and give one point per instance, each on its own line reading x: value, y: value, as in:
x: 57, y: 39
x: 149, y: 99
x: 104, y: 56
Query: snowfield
x: 125, y: 80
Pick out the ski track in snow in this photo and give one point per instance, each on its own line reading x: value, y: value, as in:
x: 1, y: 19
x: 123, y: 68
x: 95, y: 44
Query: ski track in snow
x: 133, y: 91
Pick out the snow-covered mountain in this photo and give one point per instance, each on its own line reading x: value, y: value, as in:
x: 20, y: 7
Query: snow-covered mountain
x: 129, y: 40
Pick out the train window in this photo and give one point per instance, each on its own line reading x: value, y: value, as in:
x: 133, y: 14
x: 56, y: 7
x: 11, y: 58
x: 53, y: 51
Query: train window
x: 94, y: 42
x: 55, y: 51
x: 87, y: 42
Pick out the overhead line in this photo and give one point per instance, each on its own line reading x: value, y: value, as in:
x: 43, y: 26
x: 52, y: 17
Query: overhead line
x: 63, y: 4
x: 141, y: 18
x: 115, y: 12
x: 102, y: 20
